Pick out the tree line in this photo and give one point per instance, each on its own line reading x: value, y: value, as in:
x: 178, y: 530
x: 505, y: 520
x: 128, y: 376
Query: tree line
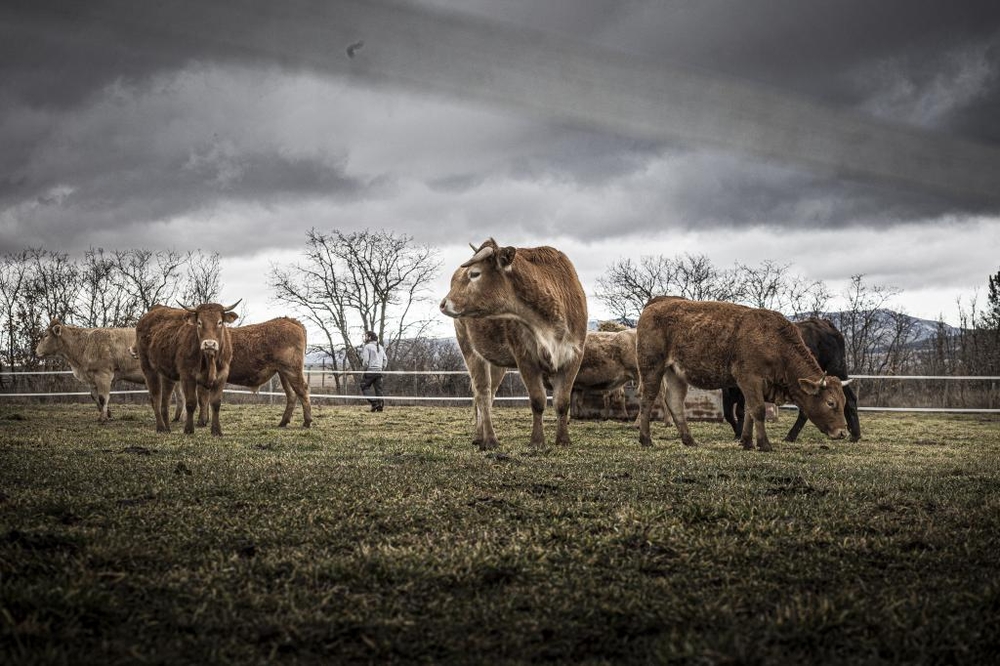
x: 348, y: 282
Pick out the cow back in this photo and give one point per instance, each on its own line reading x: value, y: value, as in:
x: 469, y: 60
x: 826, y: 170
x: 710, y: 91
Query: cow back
x: 609, y: 360
x: 826, y: 343
x: 166, y: 343
x: 709, y: 342
x: 261, y: 350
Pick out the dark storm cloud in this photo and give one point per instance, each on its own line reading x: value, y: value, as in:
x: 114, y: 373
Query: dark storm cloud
x: 904, y: 61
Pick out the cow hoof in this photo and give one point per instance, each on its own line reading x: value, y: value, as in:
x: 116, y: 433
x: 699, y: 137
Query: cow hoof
x: 688, y: 441
x: 764, y: 446
x: 645, y: 440
x: 488, y: 445
x: 746, y: 444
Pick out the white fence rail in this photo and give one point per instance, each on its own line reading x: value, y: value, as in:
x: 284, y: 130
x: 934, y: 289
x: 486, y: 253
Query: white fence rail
x: 402, y: 396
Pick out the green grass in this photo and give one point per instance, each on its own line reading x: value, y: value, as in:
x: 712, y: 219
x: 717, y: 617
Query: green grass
x: 390, y: 539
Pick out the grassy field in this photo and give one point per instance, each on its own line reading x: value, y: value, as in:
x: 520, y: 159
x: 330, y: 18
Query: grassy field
x: 387, y: 538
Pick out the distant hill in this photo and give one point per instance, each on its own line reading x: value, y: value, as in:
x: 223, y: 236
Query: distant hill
x: 921, y: 330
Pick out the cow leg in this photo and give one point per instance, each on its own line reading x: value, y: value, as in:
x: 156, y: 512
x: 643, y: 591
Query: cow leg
x: 575, y: 403
x: 296, y: 386
x: 562, y: 389
x: 202, y: 406
x: 851, y: 413
x: 800, y: 421
x: 178, y: 403
x: 650, y: 380
x: 215, y: 398
x: 153, y: 388
x: 102, y: 389
x: 162, y: 406
x: 191, y: 399
x: 536, y: 396
x: 755, y: 416
x: 481, y: 374
x: 677, y: 389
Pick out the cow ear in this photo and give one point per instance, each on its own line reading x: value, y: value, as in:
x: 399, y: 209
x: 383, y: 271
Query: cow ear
x: 191, y: 319
x: 506, y: 257
x: 809, y: 386
x: 57, y: 330
x: 230, y: 317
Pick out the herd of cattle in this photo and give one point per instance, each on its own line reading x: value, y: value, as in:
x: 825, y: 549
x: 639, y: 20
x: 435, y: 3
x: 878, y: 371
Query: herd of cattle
x: 520, y: 308
x: 525, y: 308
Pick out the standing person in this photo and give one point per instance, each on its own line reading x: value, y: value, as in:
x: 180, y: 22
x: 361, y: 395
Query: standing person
x: 373, y: 362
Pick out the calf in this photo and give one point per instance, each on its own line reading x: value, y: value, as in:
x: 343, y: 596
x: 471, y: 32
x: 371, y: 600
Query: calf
x: 191, y: 345
x: 827, y: 345
x: 276, y: 346
x: 713, y: 345
x: 98, y: 357
x: 523, y: 308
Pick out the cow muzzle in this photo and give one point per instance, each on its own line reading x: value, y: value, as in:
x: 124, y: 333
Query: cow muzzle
x: 210, y: 346
x: 837, y: 433
x: 448, y: 308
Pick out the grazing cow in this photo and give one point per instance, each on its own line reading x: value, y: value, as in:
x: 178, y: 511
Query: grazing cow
x: 523, y: 308
x: 609, y: 362
x: 826, y: 344
x: 712, y: 345
x: 97, y: 356
x: 191, y: 345
x: 261, y: 350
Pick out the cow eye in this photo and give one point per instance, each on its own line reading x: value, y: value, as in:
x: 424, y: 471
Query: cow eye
x: 831, y: 404
x: 474, y: 273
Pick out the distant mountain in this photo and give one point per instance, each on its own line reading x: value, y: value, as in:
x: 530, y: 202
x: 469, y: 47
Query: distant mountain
x: 921, y: 330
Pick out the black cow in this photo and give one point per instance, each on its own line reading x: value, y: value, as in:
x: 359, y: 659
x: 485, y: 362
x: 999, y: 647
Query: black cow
x: 827, y: 344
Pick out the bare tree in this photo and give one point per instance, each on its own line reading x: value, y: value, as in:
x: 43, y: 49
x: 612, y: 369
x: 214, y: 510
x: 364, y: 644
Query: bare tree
x: 805, y: 298
x: 773, y: 286
x: 149, y: 277
x: 626, y: 286
x: 103, y: 302
x: 203, y: 284
x: 53, y: 286
x: 13, y: 283
x: 876, y: 337
x: 698, y: 278
x: 352, y: 282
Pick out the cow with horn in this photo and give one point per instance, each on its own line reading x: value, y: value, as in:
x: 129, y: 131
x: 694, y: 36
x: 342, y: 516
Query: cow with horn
x: 191, y: 345
x: 519, y: 308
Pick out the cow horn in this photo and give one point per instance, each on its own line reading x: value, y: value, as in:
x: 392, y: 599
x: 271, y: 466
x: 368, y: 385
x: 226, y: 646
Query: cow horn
x: 232, y: 307
x: 484, y: 253
x: 822, y: 381
x: 186, y: 307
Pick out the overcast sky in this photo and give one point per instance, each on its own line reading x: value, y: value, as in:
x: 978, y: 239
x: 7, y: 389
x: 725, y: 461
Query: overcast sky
x: 116, y: 135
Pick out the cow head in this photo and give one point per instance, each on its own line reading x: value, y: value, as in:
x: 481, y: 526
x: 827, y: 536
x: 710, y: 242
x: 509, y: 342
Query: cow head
x: 51, y: 342
x: 211, y: 320
x: 478, y: 286
x: 822, y: 400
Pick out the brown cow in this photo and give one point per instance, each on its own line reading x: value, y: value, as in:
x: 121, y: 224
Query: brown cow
x: 261, y: 350
x: 609, y: 362
x: 523, y: 308
x: 98, y: 357
x: 713, y: 345
x: 192, y: 346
